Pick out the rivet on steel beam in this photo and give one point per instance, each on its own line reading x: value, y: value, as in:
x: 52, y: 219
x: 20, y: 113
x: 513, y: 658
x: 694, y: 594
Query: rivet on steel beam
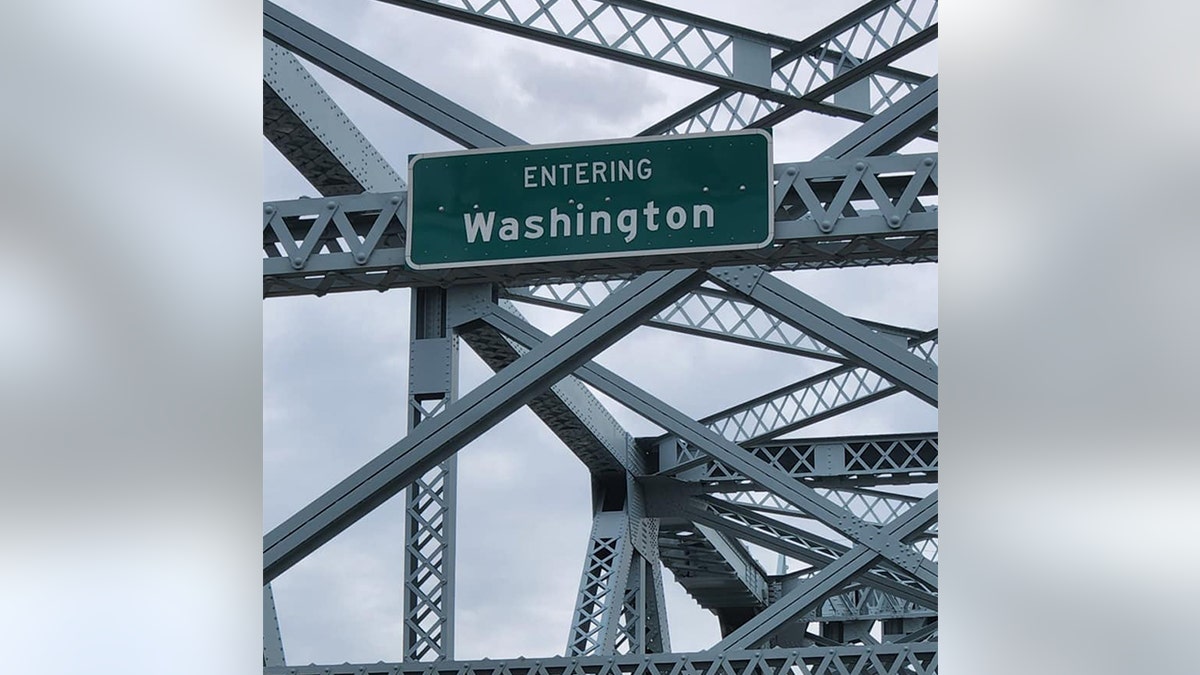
x: 741, y: 187
x: 395, y: 200
x: 791, y: 171
x: 441, y: 208
x: 826, y: 225
x: 894, y: 221
x: 269, y: 209
x: 297, y: 263
x: 360, y: 258
x: 928, y: 161
x: 331, y: 205
x: 859, y: 166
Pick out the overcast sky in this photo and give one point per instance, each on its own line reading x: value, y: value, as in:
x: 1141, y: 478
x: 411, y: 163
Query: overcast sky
x: 335, y: 368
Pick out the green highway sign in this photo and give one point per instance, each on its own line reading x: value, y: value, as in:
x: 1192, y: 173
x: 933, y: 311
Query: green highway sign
x: 628, y: 197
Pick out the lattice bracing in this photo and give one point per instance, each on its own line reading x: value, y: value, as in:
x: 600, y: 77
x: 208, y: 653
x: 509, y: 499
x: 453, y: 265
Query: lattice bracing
x: 723, y: 486
x: 861, y: 461
x: 766, y: 72
x: 804, y: 403
x: 426, y: 544
x: 820, y: 66
x: 887, y: 659
x: 871, y: 507
x: 829, y: 213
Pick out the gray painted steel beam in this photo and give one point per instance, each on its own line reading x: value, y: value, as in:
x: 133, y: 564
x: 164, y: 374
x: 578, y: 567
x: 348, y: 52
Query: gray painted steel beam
x: 590, y: 432
x: 272, y: 638
x: 332, y: 154
x: 726, y: 108
x: 706, y: 312
x: 800, y: 495
x: 381, y: 81
x: 809, y: 595
x: 717, y: 53
x: 791, y: 541
x: 830, y: 213
x: 310, y: 130
x: 892, y: 129
x: 466, y: 419
x: 580, y: 421
x: 620, y: 604
x: 842, y: 462
x: 849, y: 337
x: 430, y: 503
x: 815, y: 398
x: 919, y: 658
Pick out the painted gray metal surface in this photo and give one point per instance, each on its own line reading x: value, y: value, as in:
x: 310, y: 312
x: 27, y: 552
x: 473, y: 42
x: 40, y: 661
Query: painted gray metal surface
x: 886, y: 459
x: 796, y: 493
x: 829, y: 213
x: 782, y: 76
x: 272, y: 639
x: 857, y: 207
x: 467, y: 418
x: 381, y: 81
x: 430, y: 512
x: 849, y: 337
x: 917, y: 658
x: 810, y: 594
x: 313, y: 133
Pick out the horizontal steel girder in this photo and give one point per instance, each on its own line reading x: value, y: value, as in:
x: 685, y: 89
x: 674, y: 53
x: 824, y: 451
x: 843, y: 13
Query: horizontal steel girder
x: 885, y: 459
x: 830, y: 213
x: 712, y: 313
x: 918, y: 658
x: 468, y: 418
x: 778, y: 74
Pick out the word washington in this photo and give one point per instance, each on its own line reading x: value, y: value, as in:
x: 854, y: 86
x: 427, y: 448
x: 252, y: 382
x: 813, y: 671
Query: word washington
x: 479, y: 226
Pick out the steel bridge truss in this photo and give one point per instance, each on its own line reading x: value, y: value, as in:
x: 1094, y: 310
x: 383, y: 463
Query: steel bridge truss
x: 852, y: 519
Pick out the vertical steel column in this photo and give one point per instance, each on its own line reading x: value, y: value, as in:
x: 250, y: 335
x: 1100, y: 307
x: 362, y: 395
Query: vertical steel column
x: 272, y: 639
x: 620, y: 607
x: 430, y: 515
